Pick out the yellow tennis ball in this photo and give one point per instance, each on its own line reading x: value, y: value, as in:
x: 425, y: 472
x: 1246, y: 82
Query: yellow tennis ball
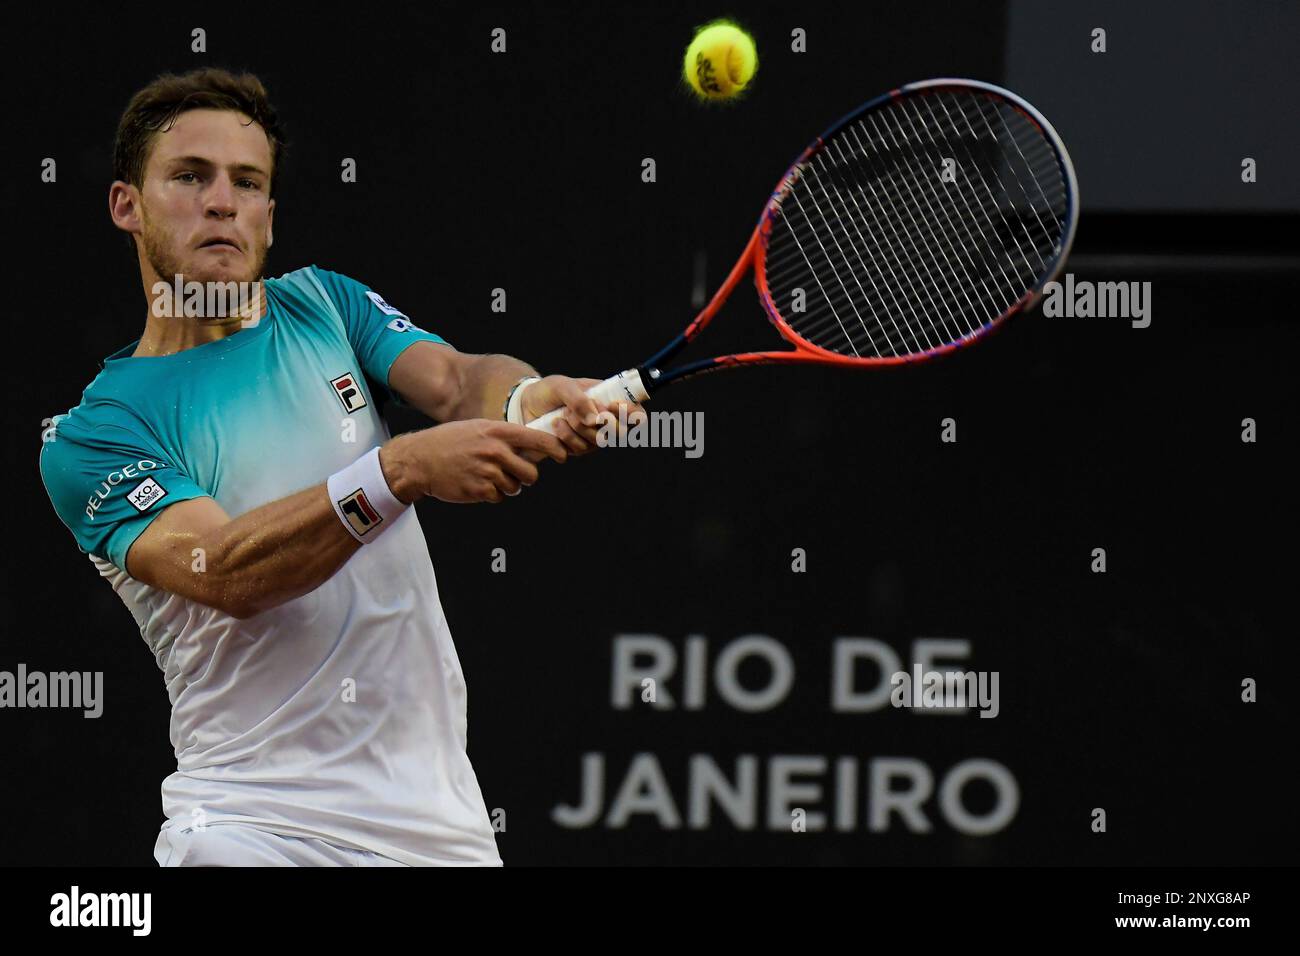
x: 720, y: 61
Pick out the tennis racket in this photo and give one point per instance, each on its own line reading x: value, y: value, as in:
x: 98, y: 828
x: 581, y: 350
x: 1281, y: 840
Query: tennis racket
x: 915, y: 225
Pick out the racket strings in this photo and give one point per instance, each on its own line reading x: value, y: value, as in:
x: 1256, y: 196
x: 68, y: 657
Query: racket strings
x: 938, y: 244
x: 1045, y: 233
x: 925, y: 245
x: 916, y: 225
x: 918, y: 243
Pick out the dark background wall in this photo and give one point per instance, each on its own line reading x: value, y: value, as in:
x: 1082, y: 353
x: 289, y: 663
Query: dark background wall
x: 521, y: 171
x: 1184, y: 91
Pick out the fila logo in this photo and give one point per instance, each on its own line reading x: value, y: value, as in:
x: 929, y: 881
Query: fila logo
x: 349, y: 392
x: 403, y: 325
x: 383, y: 306
x: 146, y: 494
x: 361, y: 514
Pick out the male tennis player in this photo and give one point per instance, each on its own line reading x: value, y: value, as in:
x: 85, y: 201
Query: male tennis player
x: 232, y: 478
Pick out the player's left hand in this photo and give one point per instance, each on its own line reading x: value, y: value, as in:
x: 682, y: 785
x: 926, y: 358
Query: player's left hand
x: 579, y: 427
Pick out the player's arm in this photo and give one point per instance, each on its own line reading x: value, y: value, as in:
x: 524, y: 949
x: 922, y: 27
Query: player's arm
x: 272, y: 554
x: 448, y: 385
x: 287, y: 548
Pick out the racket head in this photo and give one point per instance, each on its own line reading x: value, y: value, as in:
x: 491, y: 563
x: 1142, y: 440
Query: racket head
x: 899, y: 265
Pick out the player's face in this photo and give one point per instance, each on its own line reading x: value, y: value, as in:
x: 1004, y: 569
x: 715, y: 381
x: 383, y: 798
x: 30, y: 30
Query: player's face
x: 208, y: 176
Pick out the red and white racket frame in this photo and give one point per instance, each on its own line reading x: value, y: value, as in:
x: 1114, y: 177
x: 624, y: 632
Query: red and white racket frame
x: 637, y: 384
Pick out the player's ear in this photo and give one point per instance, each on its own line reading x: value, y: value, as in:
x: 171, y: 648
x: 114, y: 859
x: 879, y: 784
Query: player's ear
x: 124, y: 206
x: 270, y: 215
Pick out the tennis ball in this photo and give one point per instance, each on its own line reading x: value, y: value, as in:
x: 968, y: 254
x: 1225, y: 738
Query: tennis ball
x: 720, y: 61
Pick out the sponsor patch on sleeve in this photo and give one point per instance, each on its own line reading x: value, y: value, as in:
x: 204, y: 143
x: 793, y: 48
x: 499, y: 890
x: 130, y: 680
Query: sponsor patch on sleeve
x: 146, y: 494
x: 383, y: 306
x: 404, y: 325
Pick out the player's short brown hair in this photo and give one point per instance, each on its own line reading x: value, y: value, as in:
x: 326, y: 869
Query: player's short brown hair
x: 154, y: 109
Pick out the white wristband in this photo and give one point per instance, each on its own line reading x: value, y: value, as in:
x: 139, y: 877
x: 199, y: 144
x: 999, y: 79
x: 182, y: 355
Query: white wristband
x: 362, y: 499
x: 514, y: 407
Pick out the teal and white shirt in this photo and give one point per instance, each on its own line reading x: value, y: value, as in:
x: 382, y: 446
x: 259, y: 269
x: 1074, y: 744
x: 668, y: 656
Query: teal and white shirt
x: 340, y: 715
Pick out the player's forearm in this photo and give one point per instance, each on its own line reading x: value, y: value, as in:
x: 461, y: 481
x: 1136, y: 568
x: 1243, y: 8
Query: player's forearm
x: 275, y: 553
x: 485, y: 384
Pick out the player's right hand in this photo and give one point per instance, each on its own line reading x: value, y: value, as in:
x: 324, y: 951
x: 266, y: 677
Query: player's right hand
x: 468, y: 461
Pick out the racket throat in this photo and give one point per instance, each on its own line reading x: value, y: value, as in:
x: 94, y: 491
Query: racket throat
x: 652, y: 369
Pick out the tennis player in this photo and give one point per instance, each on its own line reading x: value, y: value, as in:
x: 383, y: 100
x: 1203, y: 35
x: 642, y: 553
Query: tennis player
x: 231, y: 476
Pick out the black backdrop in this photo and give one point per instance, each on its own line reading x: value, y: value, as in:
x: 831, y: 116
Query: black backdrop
x: 522, y: 171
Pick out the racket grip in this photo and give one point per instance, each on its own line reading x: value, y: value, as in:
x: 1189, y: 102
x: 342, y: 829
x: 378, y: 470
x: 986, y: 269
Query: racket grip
x: 624, y: 387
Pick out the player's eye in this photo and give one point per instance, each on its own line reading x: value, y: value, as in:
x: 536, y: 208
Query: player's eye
x: 193, y: 177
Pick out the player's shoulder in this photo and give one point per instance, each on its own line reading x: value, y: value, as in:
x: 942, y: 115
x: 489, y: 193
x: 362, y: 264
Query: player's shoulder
x: 362, y: 309
x: 343, y: 289
x: 312, y: 274
x: 301, y: 286
x: 312, y: 288
x: 94, y: 424
x: 94, y: 437
x: 357, y: 300
x: 113, y: 413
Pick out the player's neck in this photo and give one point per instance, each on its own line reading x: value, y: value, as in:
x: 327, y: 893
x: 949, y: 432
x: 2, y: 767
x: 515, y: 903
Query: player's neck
x: 167, y: 332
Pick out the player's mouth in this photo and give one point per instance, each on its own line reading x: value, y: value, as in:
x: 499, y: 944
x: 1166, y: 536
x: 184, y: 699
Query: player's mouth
x: 220, y: 242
